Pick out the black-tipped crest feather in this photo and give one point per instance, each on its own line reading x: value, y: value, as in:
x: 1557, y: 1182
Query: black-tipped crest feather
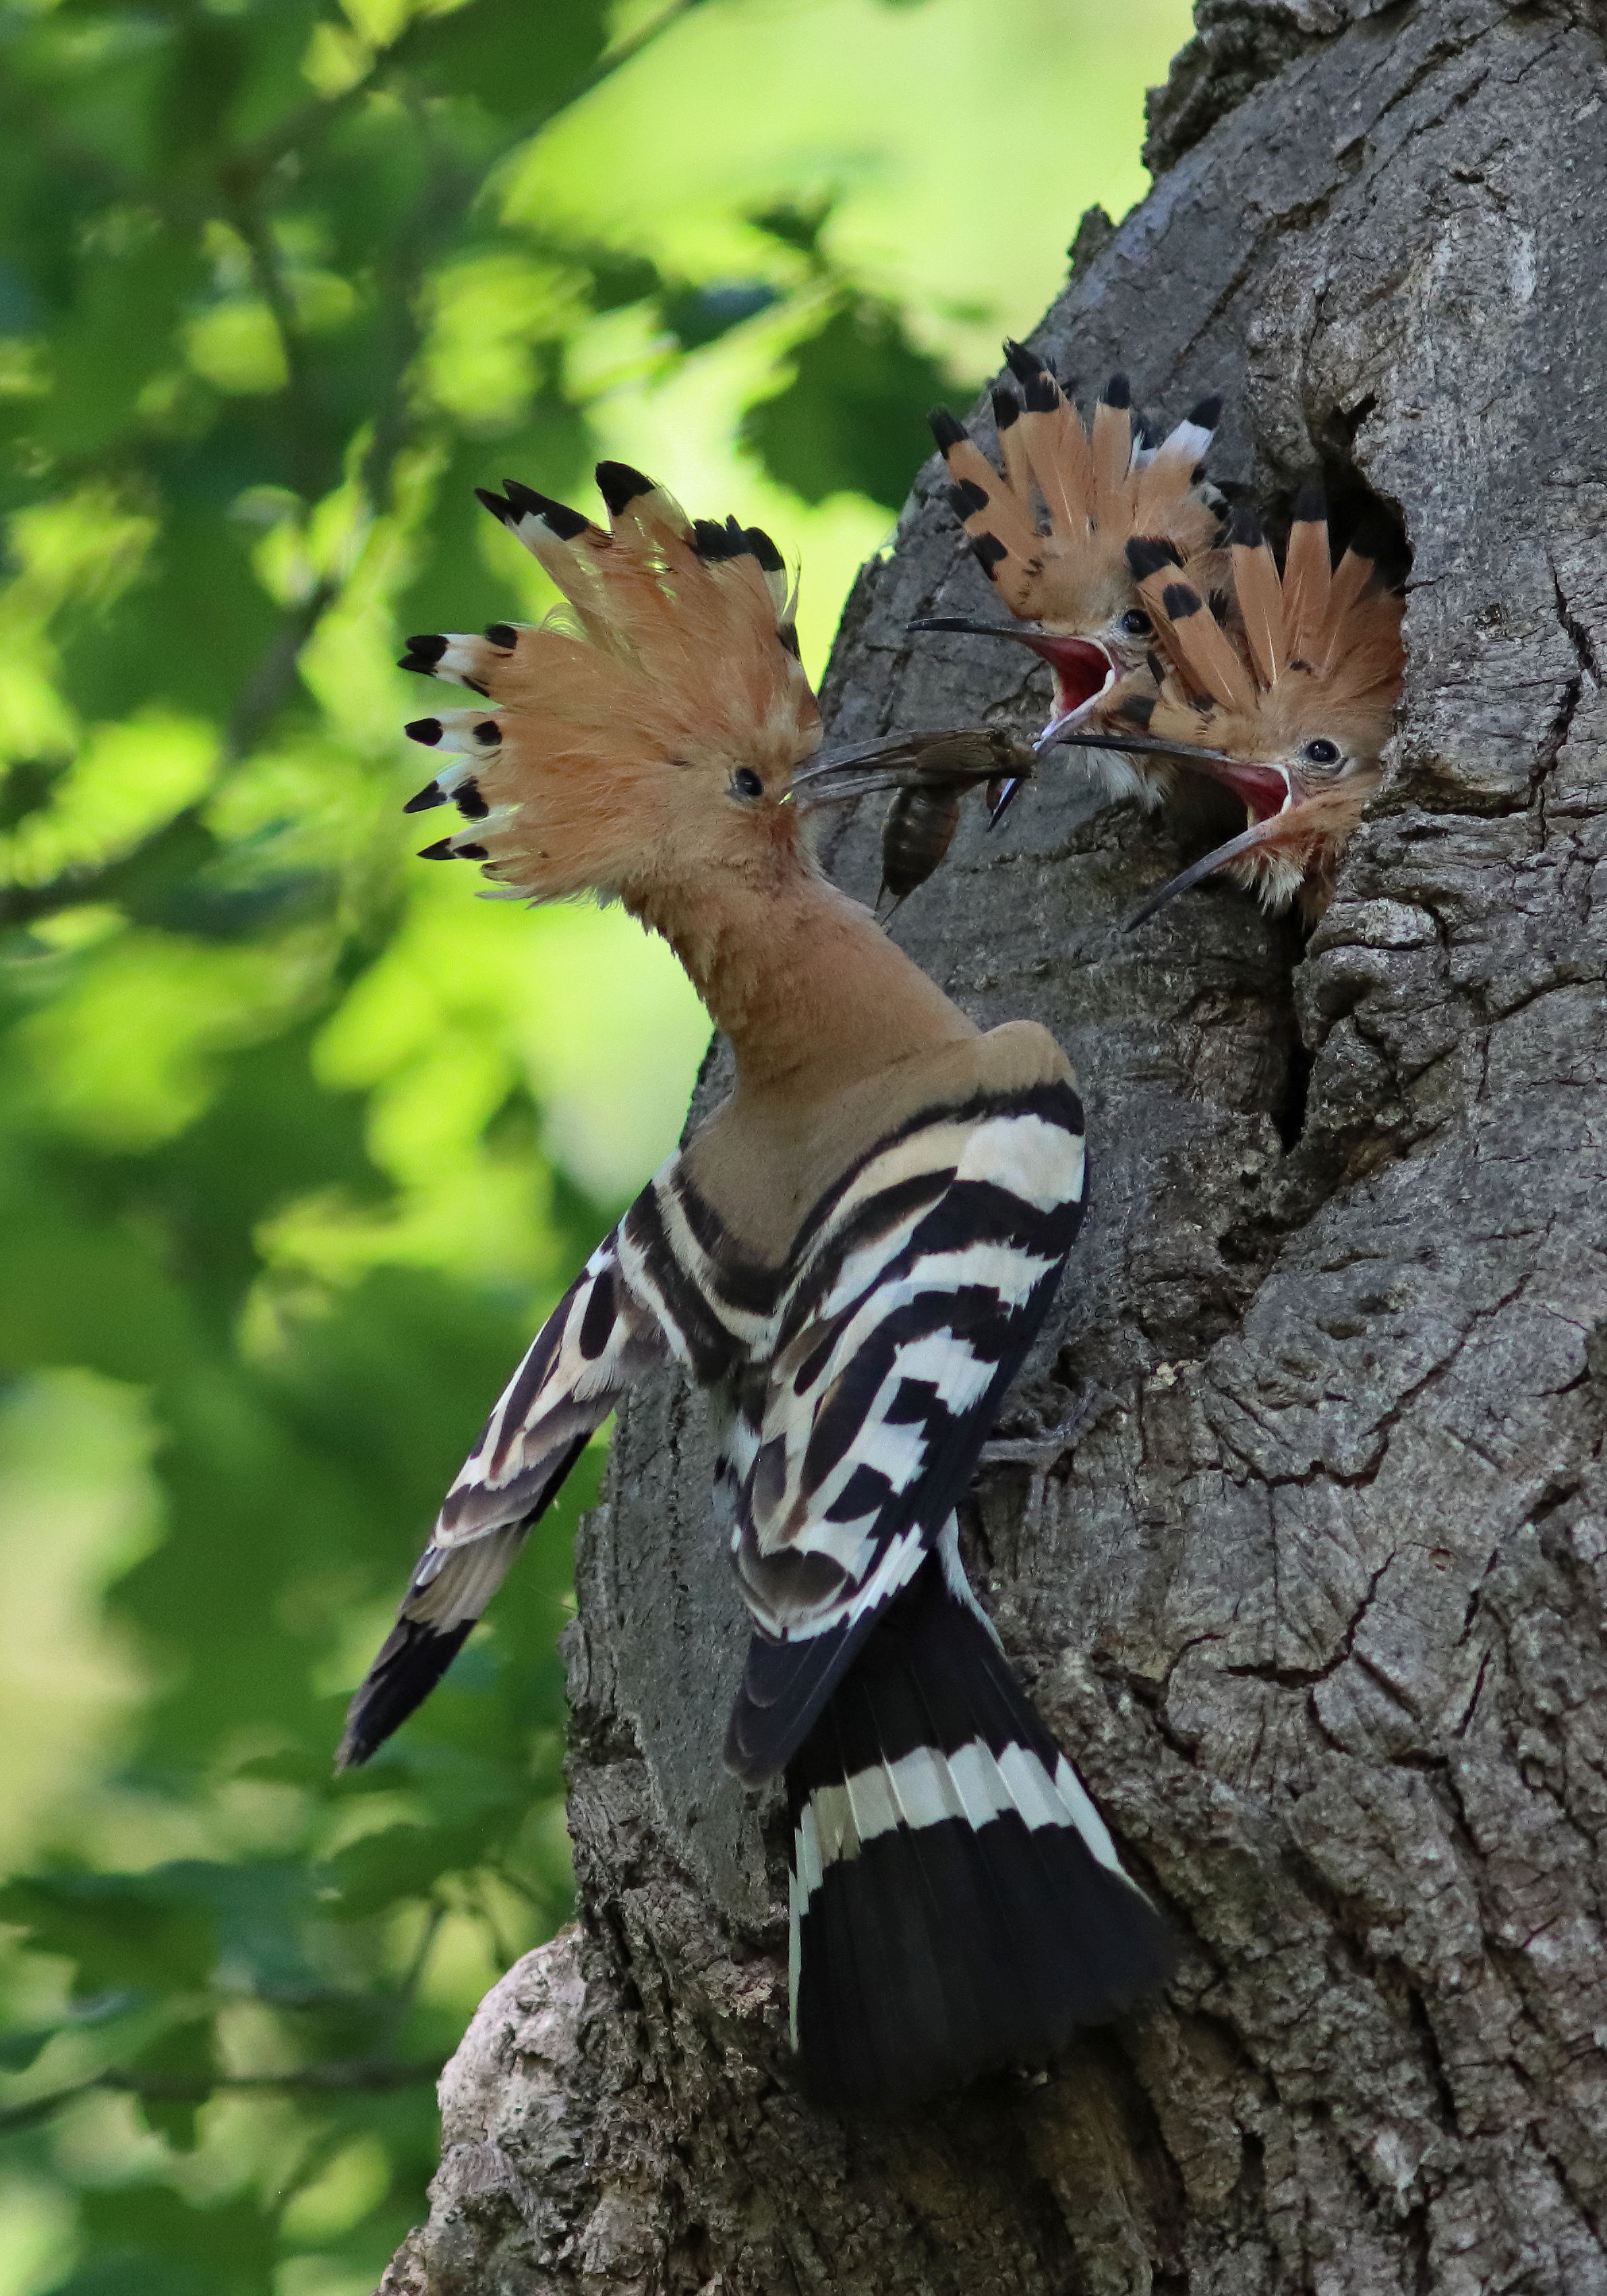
x: 1147, y: 553
x: 524, y: 500
x: 1024, y: 365
x: 619, y: 484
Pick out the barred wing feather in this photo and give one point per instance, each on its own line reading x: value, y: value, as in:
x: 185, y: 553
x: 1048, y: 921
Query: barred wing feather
x: 916, y: 1291
x: 599, y: 1338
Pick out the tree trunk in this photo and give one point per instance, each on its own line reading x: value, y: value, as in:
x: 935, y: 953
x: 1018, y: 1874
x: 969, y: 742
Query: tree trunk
x: 1314, y: 1599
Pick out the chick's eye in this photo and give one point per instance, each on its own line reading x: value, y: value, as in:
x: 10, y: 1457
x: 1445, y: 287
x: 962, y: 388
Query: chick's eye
x: 746, y: 782
x: 1320, y: 752
x: 1135, y: 623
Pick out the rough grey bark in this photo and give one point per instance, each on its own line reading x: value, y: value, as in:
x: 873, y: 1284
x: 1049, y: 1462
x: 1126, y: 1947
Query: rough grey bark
x: 1316, y: 1603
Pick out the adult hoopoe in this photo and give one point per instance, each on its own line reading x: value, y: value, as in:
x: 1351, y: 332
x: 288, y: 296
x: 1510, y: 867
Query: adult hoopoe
x: 1071, y: 589
x: 852, y: 1253
x: 1289, y: 706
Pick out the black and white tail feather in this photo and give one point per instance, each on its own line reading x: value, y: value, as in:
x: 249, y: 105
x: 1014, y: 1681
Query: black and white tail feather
x: 956, y: 1903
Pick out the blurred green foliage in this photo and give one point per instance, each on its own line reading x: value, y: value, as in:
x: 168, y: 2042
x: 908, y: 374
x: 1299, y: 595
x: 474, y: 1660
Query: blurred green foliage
x: 298, y: 1141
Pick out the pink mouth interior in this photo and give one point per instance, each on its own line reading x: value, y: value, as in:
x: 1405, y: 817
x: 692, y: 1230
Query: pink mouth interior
x: 1080, y: 671
x: 1264, y: 791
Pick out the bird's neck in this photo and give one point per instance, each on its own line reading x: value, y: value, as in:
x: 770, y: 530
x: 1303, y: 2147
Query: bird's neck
x: 807, y: 987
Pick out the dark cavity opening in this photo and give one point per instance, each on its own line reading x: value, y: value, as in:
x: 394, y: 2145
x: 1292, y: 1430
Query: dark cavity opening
x: 1289, y: 1112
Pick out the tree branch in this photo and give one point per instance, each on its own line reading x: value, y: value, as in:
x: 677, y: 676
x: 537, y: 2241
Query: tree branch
x: 374, y: 2075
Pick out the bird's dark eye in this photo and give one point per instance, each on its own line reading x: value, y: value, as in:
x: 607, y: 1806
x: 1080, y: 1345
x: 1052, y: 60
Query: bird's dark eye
x: 1320, y: 752
x: 1135, y: 623
x: 746, y: 782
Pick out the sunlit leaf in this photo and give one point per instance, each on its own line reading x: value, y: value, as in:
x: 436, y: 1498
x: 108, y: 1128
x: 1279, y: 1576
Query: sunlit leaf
x: 238, y: 347
x: 19, y: 2048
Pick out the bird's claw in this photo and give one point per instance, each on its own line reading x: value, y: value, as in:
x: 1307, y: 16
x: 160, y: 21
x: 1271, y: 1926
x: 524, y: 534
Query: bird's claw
x: 1039, y: 1453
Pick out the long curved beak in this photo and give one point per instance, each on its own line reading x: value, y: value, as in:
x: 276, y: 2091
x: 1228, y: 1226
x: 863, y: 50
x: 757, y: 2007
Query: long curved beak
x: 1306, y: 822
x: 1134, y: 745
x: 1027, y: 633
x: 1259, y: 833
x: 1266, y: 790
x: 950, y: 758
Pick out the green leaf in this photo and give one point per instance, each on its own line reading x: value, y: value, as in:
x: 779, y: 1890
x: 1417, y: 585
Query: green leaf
x: 18, y: 2049
x: 199, y: 623
x: 696, y: 315
x: 272, y: 1134
x: 170, y: 1929
x: 398, y: 1863
x: 519, y: 63
x: 155, y: 1931
x: 168, y: 1141
x: 81, y: 1288
x: 852, y: 420
x: 187, y: 2055
x: 619, y: 279
x: 797, y: 226
x: 144, y: 2240
x: 21, y: 2047
x: 121, y: 333
x: 227, y: 80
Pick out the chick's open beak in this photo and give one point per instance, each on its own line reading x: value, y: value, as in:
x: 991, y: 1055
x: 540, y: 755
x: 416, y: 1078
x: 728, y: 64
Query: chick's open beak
x: 1267, y: 791
x: 1268, y: 794
x: 1083, y: 669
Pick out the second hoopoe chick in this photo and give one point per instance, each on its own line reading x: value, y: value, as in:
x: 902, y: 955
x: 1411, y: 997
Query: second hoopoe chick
x: 1288, y: 707
x: 851, y: 1254
x: 1069, y: 587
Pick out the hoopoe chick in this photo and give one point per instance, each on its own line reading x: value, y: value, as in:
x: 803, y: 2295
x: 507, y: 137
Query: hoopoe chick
x: 1069, y: 588
x: 852, y: 1254
x: 1289, y: 710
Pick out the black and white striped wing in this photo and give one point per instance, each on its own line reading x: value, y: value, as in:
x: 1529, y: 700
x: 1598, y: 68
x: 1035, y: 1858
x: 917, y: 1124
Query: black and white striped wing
x: 600, y: 1336
x: 917, y: 1290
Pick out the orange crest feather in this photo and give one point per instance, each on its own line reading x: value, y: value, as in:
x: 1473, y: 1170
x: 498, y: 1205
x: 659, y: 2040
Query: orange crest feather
x: 1099, y: 487
x: 674, y: 657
